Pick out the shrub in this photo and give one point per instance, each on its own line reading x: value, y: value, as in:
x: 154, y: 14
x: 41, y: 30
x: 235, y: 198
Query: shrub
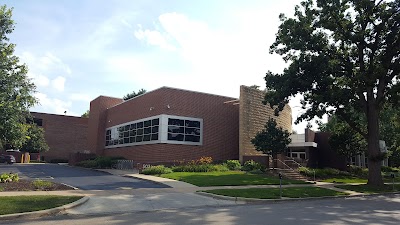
x: 42, y: 184
x: 9, y: 177
x: 252, y: 165
x: 389, y: 169
x: 100, y: 162
x: 154, y: 170
x: 322, y: 173
x: 358, y: 171
x: 87, y: 164
x: 199, y: 168
x: 233, y: 165
x: 205, y: 160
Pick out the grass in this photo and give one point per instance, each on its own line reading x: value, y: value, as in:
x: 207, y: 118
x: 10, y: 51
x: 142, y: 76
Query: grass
x: 19, y: 204
x: 274, y: 193
x: 42, y: 184
x: 363, y: 188
x: 345, y: 180
x: 229, y: 178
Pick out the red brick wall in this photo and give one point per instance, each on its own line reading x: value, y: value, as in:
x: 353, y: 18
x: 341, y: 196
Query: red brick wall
x: 97, y: 122
x: 220, y: 125
x: 63, y: 134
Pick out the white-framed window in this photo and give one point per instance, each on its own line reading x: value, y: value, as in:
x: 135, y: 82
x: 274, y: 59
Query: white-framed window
x: 157, y: 129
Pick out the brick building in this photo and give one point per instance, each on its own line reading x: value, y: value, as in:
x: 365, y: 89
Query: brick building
x: 170, y: 124
x: 63, y: 134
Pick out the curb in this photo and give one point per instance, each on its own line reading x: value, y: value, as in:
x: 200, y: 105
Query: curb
x: 46, y: 212
x: 257, y: 200
x: 148, y: 180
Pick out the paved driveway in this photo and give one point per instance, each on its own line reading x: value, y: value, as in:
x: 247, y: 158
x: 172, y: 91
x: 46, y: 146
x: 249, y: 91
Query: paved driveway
x: 81, y: 178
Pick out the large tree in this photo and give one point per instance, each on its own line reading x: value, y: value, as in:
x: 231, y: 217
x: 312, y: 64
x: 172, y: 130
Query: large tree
x: 343, y: 54
x: 35, y: 140
x: 15, y: 87
x: 272, y: 140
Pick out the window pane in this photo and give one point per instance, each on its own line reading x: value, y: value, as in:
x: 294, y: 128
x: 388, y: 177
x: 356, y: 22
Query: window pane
x: 194, y: 131
x: 147, y: 123
x: 147, y: 130
x: 126, y: 134
x: 115, y: 141
x: 191, y: 123
x: 133, y: 126
x: 121, y: 141
x: 175, y: 129
x: 132, y: 133
x: 155, y: 122
x: 126, y: 140
x: 154, y: 137
x: 154, y: 129
x: 127, y: 127
x: 146, y: 137
x: 107, y: 142
x: 132, y: 139
x: 139, y: 131
x: 176, y: 122
x: 108, y: 132
x: 139, y: 138
x: 175, y: 137
x: 192, y: 138
x: 140, y: 125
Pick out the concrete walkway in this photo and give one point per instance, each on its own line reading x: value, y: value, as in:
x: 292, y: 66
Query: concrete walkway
x: 180, y: 195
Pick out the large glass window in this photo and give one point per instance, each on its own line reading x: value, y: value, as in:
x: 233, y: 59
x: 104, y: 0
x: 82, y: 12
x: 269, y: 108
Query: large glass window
x: 184, y: 130
x: 158, y: 129
x: 141, y: 131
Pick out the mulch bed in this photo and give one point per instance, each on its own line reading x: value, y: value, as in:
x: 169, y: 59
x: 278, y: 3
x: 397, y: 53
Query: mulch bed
x: 26, y: 185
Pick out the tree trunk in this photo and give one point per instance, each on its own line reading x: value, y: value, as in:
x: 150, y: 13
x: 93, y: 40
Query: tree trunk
x: 374, y: 153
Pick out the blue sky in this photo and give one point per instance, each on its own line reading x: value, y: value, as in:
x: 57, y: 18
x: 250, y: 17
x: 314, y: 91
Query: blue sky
x: 78, y: 50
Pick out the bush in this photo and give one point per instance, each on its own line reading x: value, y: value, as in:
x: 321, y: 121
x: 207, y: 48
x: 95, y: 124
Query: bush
x: 155, y: 170
x: 200, y: 168
x: 390, y: 169
x: 233, y: 165
x: 100, y: 162
x: 42, y: 184
x: 9, y: 177
x: 322, y: 173
x: 358, y: 171
x: 88, y: 164
x: 252, y: 165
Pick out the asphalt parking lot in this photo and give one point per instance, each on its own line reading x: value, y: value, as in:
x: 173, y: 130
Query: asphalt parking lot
x: 85, y: 179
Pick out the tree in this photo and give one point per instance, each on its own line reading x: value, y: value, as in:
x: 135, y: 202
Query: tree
x: 272, y: 140
x: 348, y: 142
x: 35, y: 140
x: 343, y: 139
x: 134, y: 94
x: 86, y: 114
x: 343, y: 54
x: 15, y: 88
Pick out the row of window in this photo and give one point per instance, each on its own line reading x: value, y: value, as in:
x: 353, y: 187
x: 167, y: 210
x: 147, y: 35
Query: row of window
x: 176, y: 130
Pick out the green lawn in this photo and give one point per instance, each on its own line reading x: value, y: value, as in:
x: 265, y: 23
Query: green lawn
x: 346, y: 180
x: 274, y: 193
x: 229, y: 178
x: 370, y: 190
x: 19, y: 204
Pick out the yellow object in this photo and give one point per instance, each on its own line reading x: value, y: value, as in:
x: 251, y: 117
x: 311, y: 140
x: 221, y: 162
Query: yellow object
x: 22, y: 158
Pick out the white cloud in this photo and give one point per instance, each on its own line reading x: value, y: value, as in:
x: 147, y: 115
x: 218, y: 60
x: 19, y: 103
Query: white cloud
x: 80, y: 97
x: 52, y: 105
x: 153, y: 37
x: 58, y: 83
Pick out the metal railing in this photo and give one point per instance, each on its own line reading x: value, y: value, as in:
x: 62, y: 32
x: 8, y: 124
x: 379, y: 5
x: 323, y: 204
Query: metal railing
x: 283, y: 163
x: 294, y: 162
x: 125, y: 165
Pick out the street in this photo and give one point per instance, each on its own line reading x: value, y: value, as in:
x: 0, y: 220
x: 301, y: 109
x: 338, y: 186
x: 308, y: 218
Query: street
x: 81, y: 178
x: 357, y: 210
